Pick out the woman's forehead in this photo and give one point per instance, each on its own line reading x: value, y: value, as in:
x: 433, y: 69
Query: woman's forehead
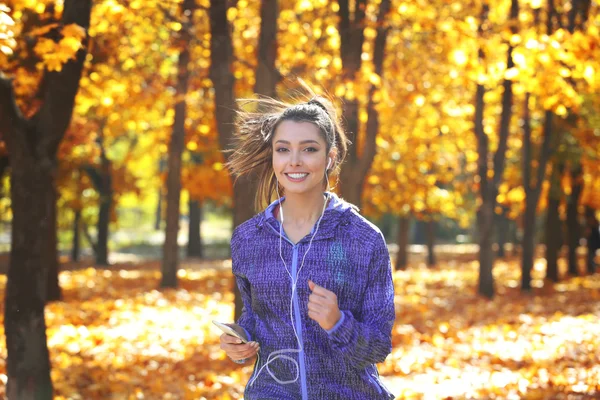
x: 297, y: 132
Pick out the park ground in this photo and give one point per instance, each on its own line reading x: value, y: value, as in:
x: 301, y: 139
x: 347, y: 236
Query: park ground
x: 115, y: 335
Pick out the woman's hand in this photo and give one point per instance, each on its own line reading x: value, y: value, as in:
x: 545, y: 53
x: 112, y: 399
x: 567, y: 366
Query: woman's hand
x: 236, y: 349
x: 323, y: 306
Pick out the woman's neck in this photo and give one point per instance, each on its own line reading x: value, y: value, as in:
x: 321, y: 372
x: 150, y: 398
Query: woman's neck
x: 302, y: 209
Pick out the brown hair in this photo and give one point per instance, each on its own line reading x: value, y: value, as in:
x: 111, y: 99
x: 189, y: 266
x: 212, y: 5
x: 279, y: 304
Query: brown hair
x: 252, y: 153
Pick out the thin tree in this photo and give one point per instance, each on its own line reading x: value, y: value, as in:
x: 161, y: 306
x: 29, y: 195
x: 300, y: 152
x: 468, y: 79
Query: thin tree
x: 194, y: 246
x: 554, y: 231
x: 221, y: 75
x: 532, y: 189
x: 488, y: 186
x: 351, y: 31
x: 170, y: 262
x: 402, y: 241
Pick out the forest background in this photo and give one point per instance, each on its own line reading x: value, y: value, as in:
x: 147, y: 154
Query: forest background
x: 474, y: 126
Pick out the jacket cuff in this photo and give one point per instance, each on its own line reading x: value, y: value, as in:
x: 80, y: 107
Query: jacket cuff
x: 343, y: 331
x: 239, y: 361
x: 337, y: 324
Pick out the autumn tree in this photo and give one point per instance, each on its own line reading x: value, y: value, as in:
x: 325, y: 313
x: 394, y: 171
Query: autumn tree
x: 32, y: 144
x: 560, y: 95
x: 352, y: 21
x: 533, y: 188
x: 176, y: 146
x: 489, y: 181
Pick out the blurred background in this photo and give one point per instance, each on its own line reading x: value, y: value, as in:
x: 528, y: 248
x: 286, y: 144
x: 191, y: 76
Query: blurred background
x: 476, y: 145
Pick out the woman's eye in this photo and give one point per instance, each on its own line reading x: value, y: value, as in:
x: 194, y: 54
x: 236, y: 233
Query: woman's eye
x: 281, y: 150
x: 311, y: 149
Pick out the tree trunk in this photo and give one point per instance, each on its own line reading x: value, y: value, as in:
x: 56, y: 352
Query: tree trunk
x: 502, y: 233
x: 158, y: 217
x: 528, y: 245
x: 403, y: 231
x: 53, y: 292
x: 101, y: 178
x: 4, y: 164
x: 553, y: 230
x: 431, y: 261
x: 592, y: 229
x: 170, y: 261
x: 105, y: 207
x: 488, y: 187
x: 485, y: 218
x: 485, y: 212
x: 194, y: 248
x: 221, y: 74
x: 75, y: 249
x: 266, y: 74
x: 573, y: 227
x: 28, y: 361
x: 532, y: 190
x: 351, y: 31
x: 32, y: 145
x: 361, y: 153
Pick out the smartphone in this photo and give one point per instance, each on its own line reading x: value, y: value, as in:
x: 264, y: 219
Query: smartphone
x: 229, y: 330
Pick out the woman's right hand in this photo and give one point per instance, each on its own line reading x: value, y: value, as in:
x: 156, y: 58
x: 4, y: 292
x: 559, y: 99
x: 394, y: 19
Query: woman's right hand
x: 236, y: 350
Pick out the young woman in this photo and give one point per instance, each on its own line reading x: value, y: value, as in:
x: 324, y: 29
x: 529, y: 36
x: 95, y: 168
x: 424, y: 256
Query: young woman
x: 314, y: 275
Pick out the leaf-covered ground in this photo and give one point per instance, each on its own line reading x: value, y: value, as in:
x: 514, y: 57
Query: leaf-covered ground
x: 115, y: 336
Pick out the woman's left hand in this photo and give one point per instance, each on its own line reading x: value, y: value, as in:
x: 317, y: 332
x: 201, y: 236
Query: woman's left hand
x: 323, y: 306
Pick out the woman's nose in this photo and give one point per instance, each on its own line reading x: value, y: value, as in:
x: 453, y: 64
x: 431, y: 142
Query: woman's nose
x: 296, y: 158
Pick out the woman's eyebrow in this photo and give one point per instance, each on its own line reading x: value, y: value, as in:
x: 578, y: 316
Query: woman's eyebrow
x: 302, y: 142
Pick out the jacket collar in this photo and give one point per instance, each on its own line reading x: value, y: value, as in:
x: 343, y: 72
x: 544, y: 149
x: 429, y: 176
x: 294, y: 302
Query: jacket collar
x: 338, y: 212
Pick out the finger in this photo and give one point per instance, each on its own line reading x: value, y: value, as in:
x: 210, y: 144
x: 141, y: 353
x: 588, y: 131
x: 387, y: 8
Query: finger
x: 230, y: 339
x: 314, y: 315
x: 234, y: 348
x: 321, y: 291
x: 324, y: 302
x: 242, y: 351
x: 243, y: 354
x: 314, y: 307
x: 251, y: 351
x: 314, y: 298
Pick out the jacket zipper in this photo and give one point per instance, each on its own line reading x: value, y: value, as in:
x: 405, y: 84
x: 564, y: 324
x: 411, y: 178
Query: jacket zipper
x: 298, y: 320
x: 375, y: 381
x: 298, y: 324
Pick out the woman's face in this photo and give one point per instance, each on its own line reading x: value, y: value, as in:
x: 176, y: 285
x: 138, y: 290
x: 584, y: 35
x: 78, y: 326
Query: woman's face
x: 299, y: 157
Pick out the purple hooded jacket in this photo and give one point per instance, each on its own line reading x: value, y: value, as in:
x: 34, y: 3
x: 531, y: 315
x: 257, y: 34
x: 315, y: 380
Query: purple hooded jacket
x: 349, y: 257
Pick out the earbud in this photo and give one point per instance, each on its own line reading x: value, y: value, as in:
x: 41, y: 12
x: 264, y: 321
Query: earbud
x: 328, y: 163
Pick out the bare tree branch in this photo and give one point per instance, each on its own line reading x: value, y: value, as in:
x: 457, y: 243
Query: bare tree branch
x: 54, y: 116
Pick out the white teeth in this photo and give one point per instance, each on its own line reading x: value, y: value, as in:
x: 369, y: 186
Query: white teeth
x: 297, y: 176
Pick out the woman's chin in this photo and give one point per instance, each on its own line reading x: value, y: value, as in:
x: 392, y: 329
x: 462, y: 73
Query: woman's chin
x: 302, y: 188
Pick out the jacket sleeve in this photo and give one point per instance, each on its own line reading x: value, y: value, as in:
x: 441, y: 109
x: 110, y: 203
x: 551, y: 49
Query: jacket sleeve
x: 247, y: 318
x: 369, y: 340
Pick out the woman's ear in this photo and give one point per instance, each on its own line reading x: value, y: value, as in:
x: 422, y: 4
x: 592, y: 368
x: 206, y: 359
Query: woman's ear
x: 331, y: 159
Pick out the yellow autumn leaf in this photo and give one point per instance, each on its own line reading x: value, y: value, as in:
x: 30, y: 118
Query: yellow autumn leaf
x: 74, y: 31
x: 44, y: 46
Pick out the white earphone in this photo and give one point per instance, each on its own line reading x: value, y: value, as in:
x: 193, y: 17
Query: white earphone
x: 281, y: 354
x: 328, y: 163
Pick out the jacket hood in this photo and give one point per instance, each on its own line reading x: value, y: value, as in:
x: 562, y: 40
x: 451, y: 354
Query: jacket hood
x: 338, y: 212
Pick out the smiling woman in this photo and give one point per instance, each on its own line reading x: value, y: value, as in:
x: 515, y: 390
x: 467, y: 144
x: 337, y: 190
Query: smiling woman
x: 299, y: 156
x: 316, y: 285
x: 287, y: 132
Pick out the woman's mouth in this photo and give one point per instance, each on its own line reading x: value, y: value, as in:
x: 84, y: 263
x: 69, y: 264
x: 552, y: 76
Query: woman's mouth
x: 296, y: 177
